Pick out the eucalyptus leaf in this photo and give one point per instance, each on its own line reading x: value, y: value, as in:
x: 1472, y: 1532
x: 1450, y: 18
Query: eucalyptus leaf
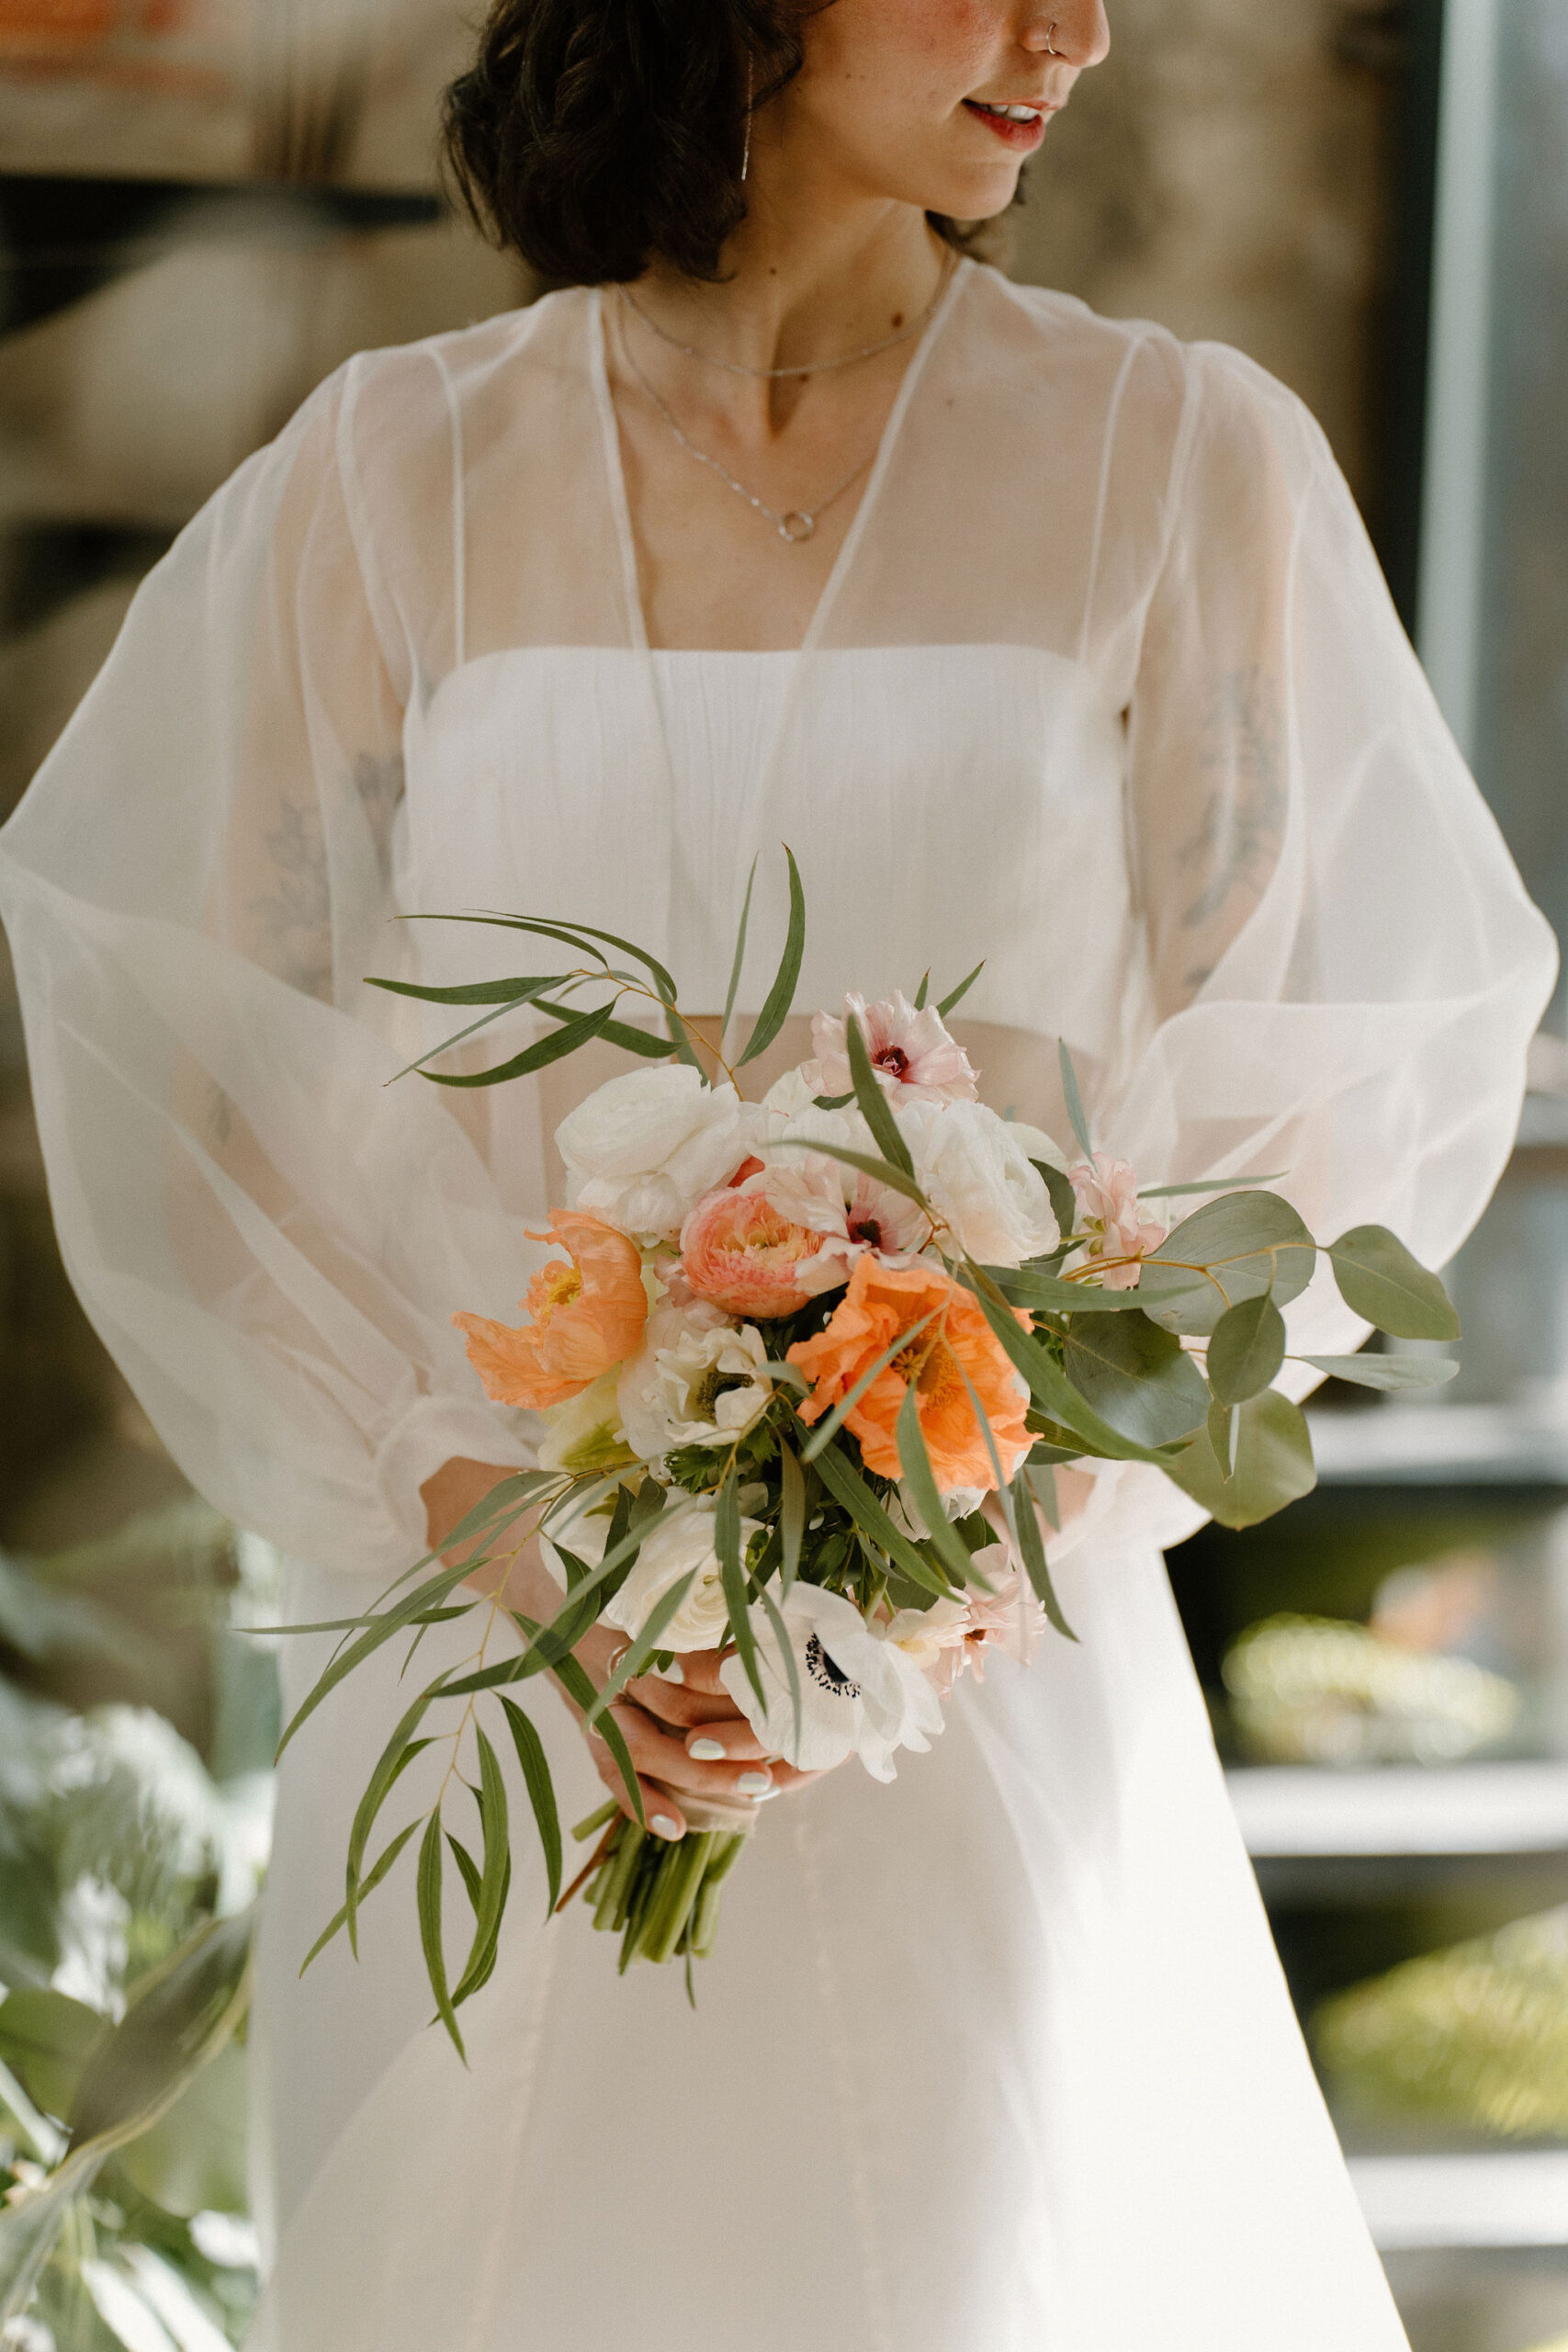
x: 1390, y: 1373
x: 1049, y: 1295
x: 1074, y: 1100
x: 735, y: 969
x: 956, y: 996
x: 381, y: 1628
x: 641, y: 1650
x: 1138, y: 1377
x: 1032, y: 1543
x: 541, y: 1794
x: 1247, y: 1349
x: 573, y: 1679
x: 367, y: 1885
x: 922, y: 993
x: 882, y: 1170
x: 786, y: 1652
x: 1273, y: 1464
x: 575, y: 934
x: 494, y: 1876
x: 429, y: 1886
x: 1380, y: 1281
x: 792, y: 1515
x: 875, y: 1107
x: 516, y: 991
x: 781, y: 995
x: 390, y: 1764
x: 581, y: 1030
x: 1063, y: 1200
x: 920, y: 1479
x: 1223, y: 1423
x: 647, y: 1043
x: 732, y: 1575
x: 1232, y: 1249
x: 1050, y: 1387
x: 846, y: 1486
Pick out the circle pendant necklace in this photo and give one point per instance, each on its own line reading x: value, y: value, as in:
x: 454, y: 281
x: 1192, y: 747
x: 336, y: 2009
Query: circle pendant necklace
x: 795, y: 525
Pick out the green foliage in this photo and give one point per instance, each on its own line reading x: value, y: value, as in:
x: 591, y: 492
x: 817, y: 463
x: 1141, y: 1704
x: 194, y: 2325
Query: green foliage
x: 1381, y: 1281
x: 781, y: 995
x: 1272, y: 1466
x: 1137, y: 1377
x: 1246, y: 1350
x: 1237, y: 1248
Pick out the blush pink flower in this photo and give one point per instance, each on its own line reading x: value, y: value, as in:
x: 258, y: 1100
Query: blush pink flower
x: 737, y: 1252
x: 911, y: 1053
x: 1107, y: 1194
x: 1009, y: 1618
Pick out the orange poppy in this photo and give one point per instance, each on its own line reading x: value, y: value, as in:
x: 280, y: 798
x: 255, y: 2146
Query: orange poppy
x: 586, y: 1316
x: 880, y: 1302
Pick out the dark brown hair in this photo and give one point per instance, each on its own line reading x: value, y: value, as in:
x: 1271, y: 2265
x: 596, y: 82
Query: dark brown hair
x: 593, y: 136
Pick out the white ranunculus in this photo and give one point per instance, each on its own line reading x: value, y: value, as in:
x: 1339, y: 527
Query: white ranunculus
x: 974, y: 1168
x: 644, y: 1148
x: 682, y: 1539
x: 681, y: 1386
x: 585, y: 1433
x: 860, y: 1694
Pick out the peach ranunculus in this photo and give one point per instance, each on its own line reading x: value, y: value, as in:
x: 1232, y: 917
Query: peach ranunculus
x: 880, y: 1302
x: 1107, y: 1196
x: 737, y: 1252
x: 586, y: 1316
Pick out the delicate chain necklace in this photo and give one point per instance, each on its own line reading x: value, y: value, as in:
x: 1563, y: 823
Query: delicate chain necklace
x: 794, y: 525
x: 812, y: 366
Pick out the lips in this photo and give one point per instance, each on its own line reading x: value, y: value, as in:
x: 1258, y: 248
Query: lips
x: 1019, y: 127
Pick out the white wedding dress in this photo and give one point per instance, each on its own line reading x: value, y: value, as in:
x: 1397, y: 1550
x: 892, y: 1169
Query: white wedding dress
x: 1105, y: 689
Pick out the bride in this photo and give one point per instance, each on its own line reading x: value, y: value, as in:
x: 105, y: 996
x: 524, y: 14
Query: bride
x: 1043, y: 641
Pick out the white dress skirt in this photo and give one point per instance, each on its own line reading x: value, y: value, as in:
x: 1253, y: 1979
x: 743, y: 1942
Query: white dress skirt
x: 1106, y: 689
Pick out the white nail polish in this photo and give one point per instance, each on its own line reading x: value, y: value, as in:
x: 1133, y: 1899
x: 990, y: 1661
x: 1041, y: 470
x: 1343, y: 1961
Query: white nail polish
x: 754, y: 1784
x: 663, y: 1827
x: 706, y: 1751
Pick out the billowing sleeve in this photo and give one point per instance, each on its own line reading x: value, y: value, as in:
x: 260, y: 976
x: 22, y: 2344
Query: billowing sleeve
x: 269, y: 1236
x: 1344, y: 971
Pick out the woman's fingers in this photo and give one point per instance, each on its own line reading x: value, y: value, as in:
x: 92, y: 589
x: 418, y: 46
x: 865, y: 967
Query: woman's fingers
x: 662, y: 1757
x: 660, y: 1809
x: 673, y: 1704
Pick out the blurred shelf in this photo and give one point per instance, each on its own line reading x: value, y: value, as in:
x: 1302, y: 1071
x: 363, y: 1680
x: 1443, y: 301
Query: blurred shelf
x: 1514, y: 2198
x: 1290, y: 1813
x: 1438, y: 1445
x: 62, y: 237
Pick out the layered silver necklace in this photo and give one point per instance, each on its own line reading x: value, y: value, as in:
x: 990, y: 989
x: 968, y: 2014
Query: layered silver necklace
x: 796, y: 524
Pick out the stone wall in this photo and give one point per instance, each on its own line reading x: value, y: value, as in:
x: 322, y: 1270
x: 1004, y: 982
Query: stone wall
x: 1224, y: 172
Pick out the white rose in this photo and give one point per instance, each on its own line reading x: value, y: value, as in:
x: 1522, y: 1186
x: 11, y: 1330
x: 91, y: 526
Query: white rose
x: 974, y: 1169
x: 860, y: 1694
x: 677, y: 1389
x: 682, y: 1540
x: 644, y: 1148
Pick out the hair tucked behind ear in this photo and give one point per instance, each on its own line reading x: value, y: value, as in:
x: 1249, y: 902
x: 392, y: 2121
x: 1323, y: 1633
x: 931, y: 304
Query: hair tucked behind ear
x: 593, y: 135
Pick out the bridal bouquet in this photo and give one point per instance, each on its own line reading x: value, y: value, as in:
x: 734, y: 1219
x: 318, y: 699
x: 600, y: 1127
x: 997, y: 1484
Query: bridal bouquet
x: 805, y: 1368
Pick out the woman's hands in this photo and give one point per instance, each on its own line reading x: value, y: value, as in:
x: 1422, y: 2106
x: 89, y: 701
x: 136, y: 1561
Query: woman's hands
x: 687, y: 1739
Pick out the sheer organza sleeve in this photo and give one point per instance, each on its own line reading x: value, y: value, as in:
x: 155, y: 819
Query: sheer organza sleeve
x: 1343, y: 971
x: 269, y: 1237
x: 1344, y: 968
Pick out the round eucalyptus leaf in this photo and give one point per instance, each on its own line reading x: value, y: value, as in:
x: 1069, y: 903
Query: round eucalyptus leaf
x: 1137, y: 1377
x: 1390, y: 1373
x: 1273, y: 1464
x: 1238, y: 1247
x: 1246, y: 1351
x: 1381, y: 1281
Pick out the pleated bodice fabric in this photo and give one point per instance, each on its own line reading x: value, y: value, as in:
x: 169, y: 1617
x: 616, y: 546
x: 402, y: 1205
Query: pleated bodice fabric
x: 1106, y: 689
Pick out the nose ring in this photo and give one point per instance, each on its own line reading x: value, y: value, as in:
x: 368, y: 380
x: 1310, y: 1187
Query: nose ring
x: 1051, y: 48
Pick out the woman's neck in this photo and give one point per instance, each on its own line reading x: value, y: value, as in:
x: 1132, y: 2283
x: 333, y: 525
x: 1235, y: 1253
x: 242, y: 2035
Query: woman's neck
x: 805, y: 283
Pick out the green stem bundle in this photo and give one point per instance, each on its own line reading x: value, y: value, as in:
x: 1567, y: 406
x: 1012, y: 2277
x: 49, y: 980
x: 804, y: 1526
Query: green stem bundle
x: 662, y: 1897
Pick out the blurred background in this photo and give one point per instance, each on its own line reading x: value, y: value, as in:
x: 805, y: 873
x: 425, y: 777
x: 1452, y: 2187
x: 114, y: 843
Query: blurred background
x: 205, y: 205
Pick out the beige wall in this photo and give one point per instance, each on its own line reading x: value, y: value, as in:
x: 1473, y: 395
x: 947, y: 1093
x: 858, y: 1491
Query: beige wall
x: 1222, y: 172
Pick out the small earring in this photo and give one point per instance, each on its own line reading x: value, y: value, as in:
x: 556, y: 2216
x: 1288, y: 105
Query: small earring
x: 746, y: 152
